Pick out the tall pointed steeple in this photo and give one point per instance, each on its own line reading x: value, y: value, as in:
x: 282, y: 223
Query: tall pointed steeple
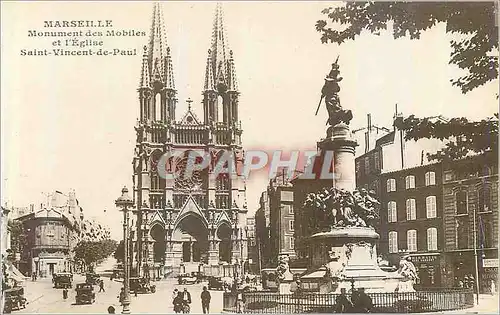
x: 157, y: 85
x: 157, y: 44
x: 221, y: 88
x: 219, y: 52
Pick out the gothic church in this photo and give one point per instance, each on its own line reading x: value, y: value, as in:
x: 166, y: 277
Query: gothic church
x: 194, y: 223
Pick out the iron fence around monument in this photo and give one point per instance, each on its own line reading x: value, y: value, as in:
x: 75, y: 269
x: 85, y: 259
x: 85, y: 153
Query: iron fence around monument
x: 409, y: 302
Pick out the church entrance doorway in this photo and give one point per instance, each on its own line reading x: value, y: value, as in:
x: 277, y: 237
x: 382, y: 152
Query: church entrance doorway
x: 224, y: 235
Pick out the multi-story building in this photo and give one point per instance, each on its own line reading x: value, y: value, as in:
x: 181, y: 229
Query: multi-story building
x: 411, y: 220
x: 188, y: 221
x: 46, y: 245
x: 470, y: 200
x: 263, y: 231
x: 253, y: 255
x: 282, y: 223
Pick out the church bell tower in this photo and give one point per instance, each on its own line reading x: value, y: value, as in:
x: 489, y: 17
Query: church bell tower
x: 187, y: 223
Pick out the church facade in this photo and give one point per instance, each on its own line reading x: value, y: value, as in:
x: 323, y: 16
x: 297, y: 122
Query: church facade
x: 195, y: 222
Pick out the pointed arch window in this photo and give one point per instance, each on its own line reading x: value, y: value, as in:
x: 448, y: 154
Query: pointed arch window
x: 158, y: 107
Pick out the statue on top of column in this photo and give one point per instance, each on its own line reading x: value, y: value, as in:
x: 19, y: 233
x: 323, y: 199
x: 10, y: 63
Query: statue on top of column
x: 330, y: 90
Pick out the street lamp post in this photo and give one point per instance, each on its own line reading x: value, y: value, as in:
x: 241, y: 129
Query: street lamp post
x: 123, y: 202
x: 475, y: 256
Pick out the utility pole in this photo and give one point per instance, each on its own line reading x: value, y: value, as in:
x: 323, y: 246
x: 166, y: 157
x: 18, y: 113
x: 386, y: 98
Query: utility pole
x: 475, y: 255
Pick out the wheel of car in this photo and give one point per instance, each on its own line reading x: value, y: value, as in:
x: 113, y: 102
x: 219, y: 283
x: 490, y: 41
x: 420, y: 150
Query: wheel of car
x: 153, y: 289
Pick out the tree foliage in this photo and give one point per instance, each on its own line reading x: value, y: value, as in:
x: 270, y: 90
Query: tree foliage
x: 92, y: 252
x: 476, y: 52
x: 463, y: 137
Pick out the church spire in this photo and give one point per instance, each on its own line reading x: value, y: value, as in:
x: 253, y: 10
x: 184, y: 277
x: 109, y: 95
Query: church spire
x: 209, y: 74
x: 219, y: 52
x: 145, y: 74
x: 221, y: 88
x: 159, y: 59
x: 169, y: 71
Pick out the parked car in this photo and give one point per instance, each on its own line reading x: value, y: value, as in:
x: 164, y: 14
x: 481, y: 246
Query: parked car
x: 118, y: 273
x: 14, y: 299
x: 85, y: 293
x: 63, y: 280
x: 141, y: 285
x: 215, y: 283
x: 92, y: 278
x: 186, y: 278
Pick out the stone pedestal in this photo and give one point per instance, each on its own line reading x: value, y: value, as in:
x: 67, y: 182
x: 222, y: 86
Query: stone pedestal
x: 350, y: 256
x: 285, y: 287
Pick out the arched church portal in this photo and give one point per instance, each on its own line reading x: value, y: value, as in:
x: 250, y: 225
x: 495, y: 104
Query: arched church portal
x: 224, y: 235
x: 193, y: 234
x: 158, y: 235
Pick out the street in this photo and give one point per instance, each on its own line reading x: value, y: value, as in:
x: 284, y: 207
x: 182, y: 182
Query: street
x: 43, y: 298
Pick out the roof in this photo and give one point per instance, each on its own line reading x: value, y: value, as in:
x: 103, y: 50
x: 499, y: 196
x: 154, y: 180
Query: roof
x: 403, y: 170
x: 386, y: 139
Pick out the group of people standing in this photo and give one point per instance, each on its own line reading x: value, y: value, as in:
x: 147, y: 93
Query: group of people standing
x: 182, y: 299
x: 360, y: 302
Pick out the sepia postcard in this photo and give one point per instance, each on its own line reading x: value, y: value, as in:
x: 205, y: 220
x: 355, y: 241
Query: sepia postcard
x: 249, y: 157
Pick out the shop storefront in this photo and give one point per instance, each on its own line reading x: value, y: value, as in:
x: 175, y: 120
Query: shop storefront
x: 428, y: 269
x: 464, y: 271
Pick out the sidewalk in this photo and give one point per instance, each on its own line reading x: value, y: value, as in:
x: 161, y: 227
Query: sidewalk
x: 488, y: 304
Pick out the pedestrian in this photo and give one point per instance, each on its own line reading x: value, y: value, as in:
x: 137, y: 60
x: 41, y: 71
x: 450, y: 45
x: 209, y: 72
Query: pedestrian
x: 121, y: 297
x: 186, y: 300
x: 101, y: 286
x: 177, y: 303
x: 342, y: 303
x: 240, y: 302
x: 174, y: 294
x: 355, y: 301
x: 111, y: 309
x: 65, y: 293
x: 205, y: 300
x: 364, y: 302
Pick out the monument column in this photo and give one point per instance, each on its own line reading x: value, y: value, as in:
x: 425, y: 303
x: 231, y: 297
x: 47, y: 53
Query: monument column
x: 340, y: 142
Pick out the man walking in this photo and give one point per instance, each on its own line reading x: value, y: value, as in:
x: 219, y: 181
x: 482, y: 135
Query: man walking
x: 101, y: 286
x: 186, y: 300
x: 205, y: 300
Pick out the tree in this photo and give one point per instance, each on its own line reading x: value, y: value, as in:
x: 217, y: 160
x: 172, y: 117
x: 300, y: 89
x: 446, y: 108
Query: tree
x: 476, y: 51
x: 463, y: 137
x: 92, y: 253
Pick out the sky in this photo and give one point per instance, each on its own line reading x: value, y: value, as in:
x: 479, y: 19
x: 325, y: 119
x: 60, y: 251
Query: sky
x: 68, y: 122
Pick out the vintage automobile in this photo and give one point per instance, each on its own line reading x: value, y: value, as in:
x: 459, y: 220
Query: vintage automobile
x: 141, y: 285
x: 118, y: 273
x: 186, y: 278
x: 92, y: 278
x: 85, y: 293
x: 215, y: 283
x: 14, y: 299
x: 63, y: 280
